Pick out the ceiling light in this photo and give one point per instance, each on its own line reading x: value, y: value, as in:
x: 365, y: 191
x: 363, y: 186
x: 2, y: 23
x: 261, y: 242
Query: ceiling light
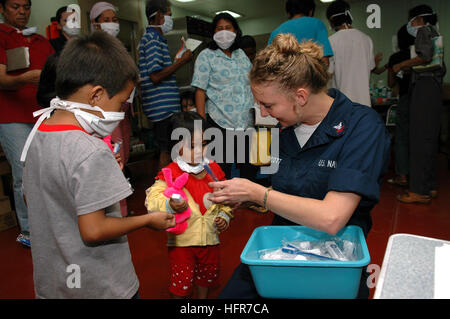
x: 185, y: 0
x: 233, y: 14
x: 326, y: 1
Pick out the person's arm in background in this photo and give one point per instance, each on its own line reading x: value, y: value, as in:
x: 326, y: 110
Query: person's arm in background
x: 15, y: 82
x: 200, y: 81
x: 377, y: 69
x: 405, y: 65
x: 200, y: 102
x: 159, y: 76
x: 424, y: 49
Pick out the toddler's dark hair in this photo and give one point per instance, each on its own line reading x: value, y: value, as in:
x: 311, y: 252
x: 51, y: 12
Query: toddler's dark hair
x: 187, y: 120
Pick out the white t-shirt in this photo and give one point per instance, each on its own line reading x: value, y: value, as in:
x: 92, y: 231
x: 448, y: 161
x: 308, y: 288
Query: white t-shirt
x: 304, y: 132
x: 351, y: 64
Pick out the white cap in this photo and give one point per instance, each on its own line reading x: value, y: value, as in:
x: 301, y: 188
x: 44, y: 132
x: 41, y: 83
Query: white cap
x: 99, y: 7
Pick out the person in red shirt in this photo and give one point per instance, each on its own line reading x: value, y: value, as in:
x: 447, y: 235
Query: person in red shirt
x: 18, y: 93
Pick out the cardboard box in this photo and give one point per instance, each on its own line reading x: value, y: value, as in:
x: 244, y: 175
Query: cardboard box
x: 7, y: 220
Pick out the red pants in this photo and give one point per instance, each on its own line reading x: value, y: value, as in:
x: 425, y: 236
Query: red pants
x: 189, y: 265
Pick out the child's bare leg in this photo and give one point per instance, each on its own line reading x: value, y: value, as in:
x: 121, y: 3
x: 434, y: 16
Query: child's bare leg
x: 202, y: 292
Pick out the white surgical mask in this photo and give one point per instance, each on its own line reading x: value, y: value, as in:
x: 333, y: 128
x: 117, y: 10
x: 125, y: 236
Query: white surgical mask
x: 412, y: 30
x: 71, y: 32
x: 99, y: 127
x: 29, y: 31
x: 110, y: 28
x: 224, y: 39
x: 185, y: 167
x: 167, y: 26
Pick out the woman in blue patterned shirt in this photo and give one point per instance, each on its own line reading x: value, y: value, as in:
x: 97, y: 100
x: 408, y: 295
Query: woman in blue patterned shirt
x: 222, y: 86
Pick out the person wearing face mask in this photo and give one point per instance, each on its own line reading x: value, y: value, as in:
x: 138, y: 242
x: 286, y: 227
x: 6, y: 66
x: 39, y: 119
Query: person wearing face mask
x: 427, y: 71
x: 223, y: 95
x: 18, y: 89
x: 67, y: 31
x: 159, y: 89
x: 103, y: 16
x: 72, y: 181
x: 69, y: 19
x: 333, y: 153
x: 353, y: 58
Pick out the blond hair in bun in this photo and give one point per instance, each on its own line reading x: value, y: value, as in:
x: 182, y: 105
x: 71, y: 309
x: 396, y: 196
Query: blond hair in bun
x: 291, y: 65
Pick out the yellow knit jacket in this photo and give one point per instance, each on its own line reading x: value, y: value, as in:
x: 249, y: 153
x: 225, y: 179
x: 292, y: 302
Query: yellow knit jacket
x: 201, y: 230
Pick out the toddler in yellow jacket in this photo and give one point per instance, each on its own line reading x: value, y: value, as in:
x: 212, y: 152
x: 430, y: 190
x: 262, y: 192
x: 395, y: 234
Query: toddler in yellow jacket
x: 194, y: 253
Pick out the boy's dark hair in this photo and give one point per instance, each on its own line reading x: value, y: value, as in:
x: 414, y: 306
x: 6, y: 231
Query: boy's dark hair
x: 247, y: 41
x: 423, y: 9
x: 59, y: 14
x: 3, y: 2
x: 404, y: 39
x: 152, y: 6
x: 294, y: 7
x: 337, y: 7
x: 187, y: 120
x: 95, y: 59
x: 226, y: 16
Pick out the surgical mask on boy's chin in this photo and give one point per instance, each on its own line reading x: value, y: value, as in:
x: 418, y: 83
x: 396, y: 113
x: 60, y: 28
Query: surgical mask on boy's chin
x: 71, y: 32
x: 224, y: 39
x: 99, y: 127
x: 191, y: 169
x: 111, y: 28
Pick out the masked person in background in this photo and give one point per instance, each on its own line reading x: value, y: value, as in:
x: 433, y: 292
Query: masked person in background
x: 18, y: 93
x: 103, y: 17
x: 69, y: 19
x: 353, y: 58
x: 428, y: 69
x: 223, y: 89
x: 66, y: 30
x: 159, y: 89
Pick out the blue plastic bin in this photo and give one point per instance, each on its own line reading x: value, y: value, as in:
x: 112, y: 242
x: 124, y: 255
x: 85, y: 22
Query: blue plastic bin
x: 302, y: 278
